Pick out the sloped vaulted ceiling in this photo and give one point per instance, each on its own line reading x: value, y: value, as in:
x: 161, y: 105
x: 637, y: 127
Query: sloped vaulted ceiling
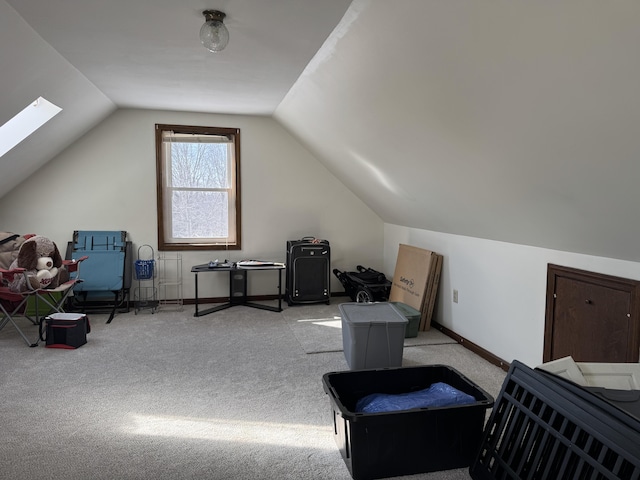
x: 92, y: 57
x: 30, y: 68
x: 509, y: 120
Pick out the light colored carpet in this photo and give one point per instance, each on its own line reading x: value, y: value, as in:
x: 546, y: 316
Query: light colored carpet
x: 231, y: 395
x: 325, y: 335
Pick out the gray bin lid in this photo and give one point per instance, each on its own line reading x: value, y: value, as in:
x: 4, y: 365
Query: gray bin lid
x: 367, y: 313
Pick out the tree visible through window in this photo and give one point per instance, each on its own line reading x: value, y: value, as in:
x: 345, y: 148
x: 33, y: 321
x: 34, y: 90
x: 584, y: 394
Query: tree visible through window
x: 198, y: 187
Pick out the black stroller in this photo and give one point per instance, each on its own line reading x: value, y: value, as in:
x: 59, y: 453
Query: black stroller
x: 365, y: 285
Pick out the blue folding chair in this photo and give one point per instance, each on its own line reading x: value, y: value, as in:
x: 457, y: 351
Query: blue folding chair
x: 106, y: 274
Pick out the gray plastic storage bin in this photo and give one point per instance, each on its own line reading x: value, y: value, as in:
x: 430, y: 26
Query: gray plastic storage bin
x: 412, y: 315
x: 372, y: 335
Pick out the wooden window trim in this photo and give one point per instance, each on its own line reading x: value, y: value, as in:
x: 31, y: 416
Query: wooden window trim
x: 170, y: 246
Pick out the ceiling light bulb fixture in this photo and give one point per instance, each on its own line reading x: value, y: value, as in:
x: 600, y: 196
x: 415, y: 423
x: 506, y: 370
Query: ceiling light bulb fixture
x: 214, y: 34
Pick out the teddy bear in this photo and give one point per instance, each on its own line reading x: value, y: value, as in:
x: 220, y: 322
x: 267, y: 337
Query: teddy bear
x: 41, y: 259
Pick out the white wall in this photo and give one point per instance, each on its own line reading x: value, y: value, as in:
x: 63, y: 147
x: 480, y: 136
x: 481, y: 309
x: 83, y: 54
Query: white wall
x: 531, y: 141
x: 501, y: 287
x: 106, y: 181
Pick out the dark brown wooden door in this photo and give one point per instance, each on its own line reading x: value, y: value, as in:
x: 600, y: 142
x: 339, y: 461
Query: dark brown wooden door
x: 591, y: 317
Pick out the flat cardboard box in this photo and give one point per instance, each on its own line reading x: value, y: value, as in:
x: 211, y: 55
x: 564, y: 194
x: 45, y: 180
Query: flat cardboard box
x: 415, y: 281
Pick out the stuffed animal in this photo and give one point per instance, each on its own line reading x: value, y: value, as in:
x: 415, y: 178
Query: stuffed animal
x: 41, y: 259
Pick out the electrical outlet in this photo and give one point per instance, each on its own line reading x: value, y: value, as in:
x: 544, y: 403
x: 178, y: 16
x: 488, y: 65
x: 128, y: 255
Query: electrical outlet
x: 455, y: 296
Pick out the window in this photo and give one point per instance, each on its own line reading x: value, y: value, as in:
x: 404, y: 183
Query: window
x: 25, y: 122
x: 198, y: 187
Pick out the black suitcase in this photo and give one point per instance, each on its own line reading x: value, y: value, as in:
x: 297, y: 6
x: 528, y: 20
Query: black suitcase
x: 308, y: 271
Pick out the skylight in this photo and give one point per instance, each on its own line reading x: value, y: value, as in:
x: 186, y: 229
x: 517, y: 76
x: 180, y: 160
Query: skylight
x: 31, y: 118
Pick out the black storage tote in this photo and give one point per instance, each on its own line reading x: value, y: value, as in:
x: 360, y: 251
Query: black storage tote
x: 66, y: 330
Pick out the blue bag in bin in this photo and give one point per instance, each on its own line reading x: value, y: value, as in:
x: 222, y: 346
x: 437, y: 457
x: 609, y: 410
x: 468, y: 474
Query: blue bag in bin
x: 437, y: 395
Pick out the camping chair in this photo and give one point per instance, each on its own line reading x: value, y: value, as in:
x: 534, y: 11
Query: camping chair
x: 14, y: 304
x: 107, y: 274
